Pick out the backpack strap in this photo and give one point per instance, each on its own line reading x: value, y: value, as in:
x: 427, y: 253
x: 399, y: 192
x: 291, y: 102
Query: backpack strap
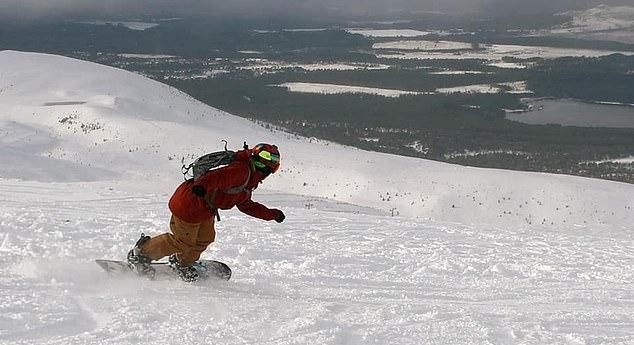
x: 241, y: 188
x: 235, y: 190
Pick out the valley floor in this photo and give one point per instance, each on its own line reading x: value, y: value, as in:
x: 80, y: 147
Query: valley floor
x: 330, y: 274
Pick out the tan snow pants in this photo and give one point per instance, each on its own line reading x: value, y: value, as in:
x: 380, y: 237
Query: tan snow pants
x: 187, y: 240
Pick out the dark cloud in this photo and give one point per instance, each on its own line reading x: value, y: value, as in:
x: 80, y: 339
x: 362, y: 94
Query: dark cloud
x: 23, y: 9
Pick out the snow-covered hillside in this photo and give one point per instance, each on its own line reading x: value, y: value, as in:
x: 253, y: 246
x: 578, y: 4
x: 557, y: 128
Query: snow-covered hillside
x: 612, y: 23
x: 331, y: 274
x: 68, y: 120
x: 601, y: 18
x: 89, y: 156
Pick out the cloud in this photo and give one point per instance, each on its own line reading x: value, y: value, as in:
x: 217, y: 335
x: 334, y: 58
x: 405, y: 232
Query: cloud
x: 100, y: 8
x: 22, y: 9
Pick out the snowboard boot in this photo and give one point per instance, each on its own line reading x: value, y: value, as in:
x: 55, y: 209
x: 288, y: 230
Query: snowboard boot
x: 139, y: 263
x: 185, y: 273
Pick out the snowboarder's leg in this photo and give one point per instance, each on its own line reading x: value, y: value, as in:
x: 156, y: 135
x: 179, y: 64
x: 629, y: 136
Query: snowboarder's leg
x: 169, y: 243
x: 206, y: 236
x: 182, y: 261
x: 184, y: 240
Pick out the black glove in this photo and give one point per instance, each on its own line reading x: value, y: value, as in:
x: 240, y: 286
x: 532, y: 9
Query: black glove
x: 280, y: 218
x: 199, y: 191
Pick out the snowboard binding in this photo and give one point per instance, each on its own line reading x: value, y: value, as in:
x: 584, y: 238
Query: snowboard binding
x: 185, y: 273
x: 138, y: 262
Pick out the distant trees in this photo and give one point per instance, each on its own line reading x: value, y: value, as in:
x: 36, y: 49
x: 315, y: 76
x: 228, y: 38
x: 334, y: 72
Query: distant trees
x: 608, y: 78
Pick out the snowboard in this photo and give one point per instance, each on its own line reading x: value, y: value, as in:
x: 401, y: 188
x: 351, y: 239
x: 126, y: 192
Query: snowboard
x: 207, y: 269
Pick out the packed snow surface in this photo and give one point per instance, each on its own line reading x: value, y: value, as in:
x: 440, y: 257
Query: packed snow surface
x: 388, y: 32
x: 334, y: 89
x: 331, y: 274
x: 423, y: 45
x: 376, y: 248
x: 132, y: 25
x: 422, y: 50
x: 268, y: 66
x: 518, y: 87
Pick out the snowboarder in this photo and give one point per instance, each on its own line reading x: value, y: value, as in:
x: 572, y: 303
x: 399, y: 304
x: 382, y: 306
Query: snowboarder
x: 195, y: 204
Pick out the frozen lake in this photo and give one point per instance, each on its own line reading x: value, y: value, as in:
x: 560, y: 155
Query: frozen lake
x: 574, y: 113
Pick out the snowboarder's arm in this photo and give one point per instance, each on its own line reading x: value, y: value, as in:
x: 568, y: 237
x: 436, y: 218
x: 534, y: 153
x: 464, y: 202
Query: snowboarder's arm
x: 258, y: 210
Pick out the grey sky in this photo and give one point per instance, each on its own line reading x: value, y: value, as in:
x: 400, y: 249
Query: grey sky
x: 18, y: 9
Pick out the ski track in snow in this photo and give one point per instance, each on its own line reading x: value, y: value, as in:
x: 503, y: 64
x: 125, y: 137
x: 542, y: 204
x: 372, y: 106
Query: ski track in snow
x: 331, y: 274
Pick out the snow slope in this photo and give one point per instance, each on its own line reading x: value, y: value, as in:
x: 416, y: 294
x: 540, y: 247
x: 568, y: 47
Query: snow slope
x: 332, y: 274
x: 89, y: 156
x: 613, y: 23
x: 600, y: 18
x: 99, y: 123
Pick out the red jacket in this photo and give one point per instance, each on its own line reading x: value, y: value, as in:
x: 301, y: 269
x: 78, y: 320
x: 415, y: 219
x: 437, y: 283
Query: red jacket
x: 192, y: 208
